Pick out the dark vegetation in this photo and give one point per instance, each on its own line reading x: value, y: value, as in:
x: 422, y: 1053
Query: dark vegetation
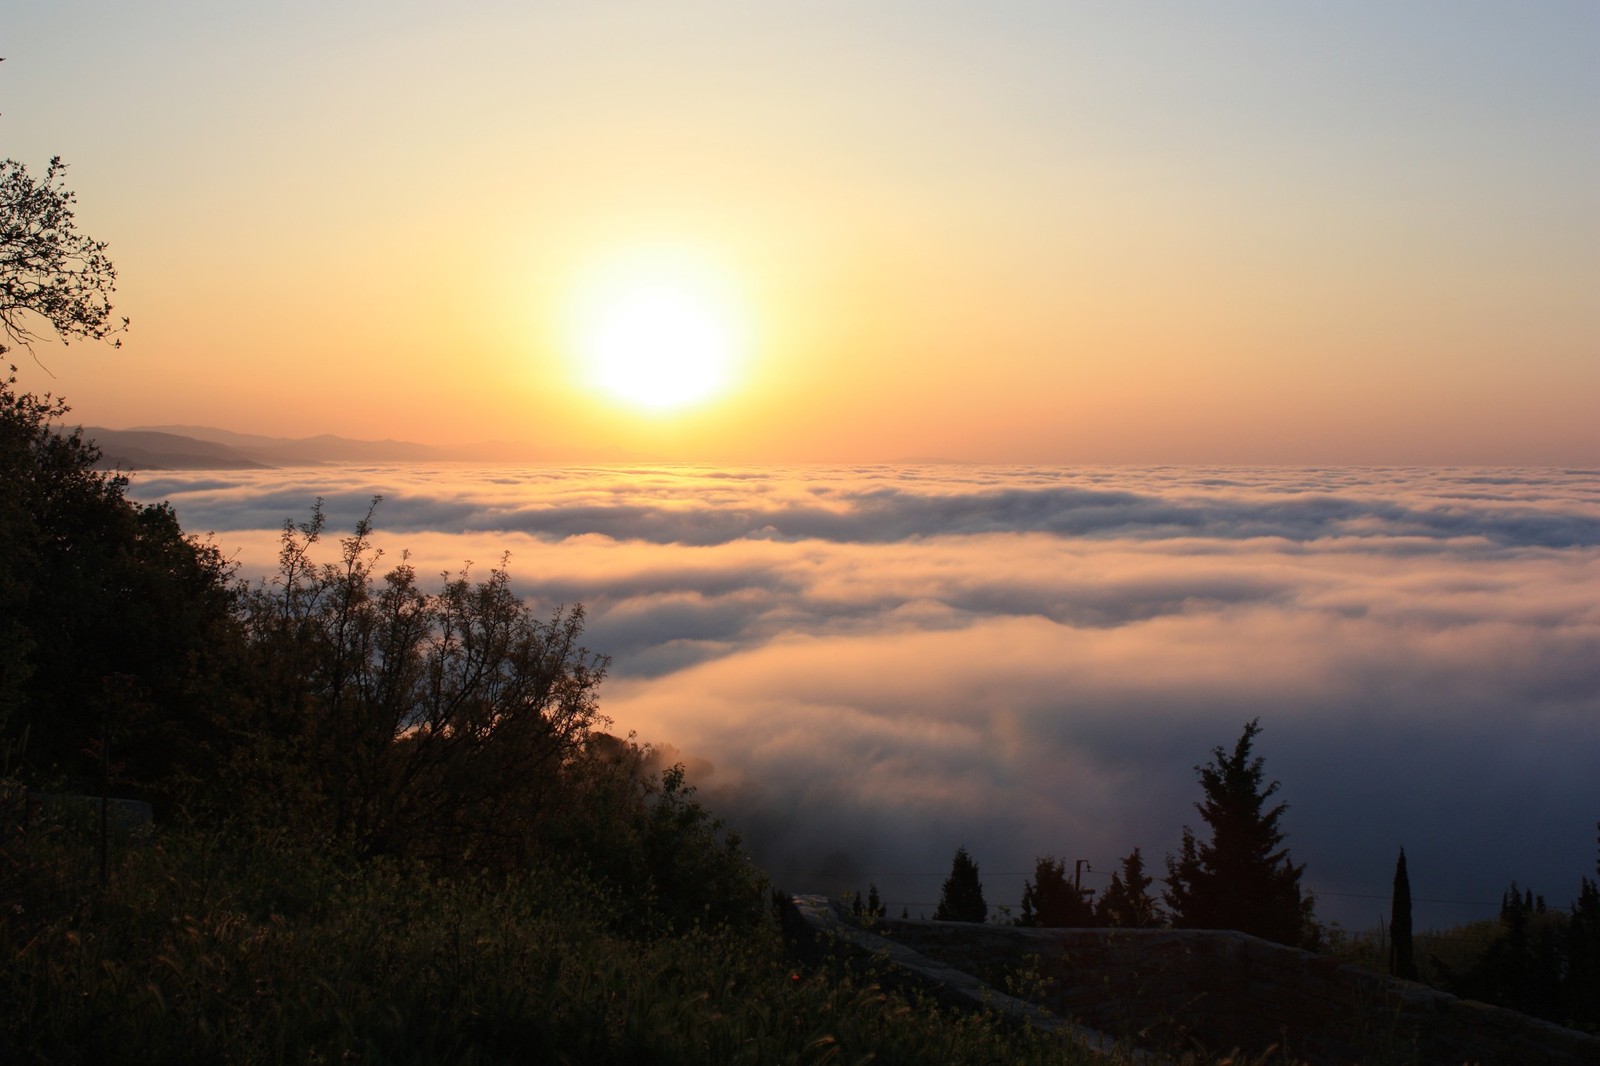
x: 962, y: 897
x: 1241, y: 878
x: 1539, y: 960
x: 1535, y: 958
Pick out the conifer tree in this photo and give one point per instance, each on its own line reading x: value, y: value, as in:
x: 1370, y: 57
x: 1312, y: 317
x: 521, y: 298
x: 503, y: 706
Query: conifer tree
x: 875, y: 908
x: 1583, y: 955
x: 868, y: 906
x: 1402, y: 960
x: 961, y: 899
x: 1051, y: 900
x: 1241, y: 878
x: 1126, y: 903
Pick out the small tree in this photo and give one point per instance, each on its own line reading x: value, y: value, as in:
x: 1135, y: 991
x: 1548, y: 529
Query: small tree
x: 1241, y: 878
x: 1126, y: 903
x: 1402, y: 959
x: 868, y: 906
x: 962, y: 897
x: 1051, y: 900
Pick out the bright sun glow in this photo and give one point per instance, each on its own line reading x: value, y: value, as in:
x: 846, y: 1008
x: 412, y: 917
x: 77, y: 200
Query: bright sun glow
x: 657, y: 332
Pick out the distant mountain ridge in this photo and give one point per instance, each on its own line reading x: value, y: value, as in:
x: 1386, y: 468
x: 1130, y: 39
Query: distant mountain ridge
x: 183, y: 447
x: 150, y: 449
x: 296, y: 451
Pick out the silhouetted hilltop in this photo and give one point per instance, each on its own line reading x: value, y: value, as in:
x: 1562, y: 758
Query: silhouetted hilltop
x: 184, y: 447
x: 140, y: 449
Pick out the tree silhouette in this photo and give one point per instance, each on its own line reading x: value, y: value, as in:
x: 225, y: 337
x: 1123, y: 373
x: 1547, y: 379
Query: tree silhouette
x: 1126, y: 902
x: 1583, y: 954
x: 1241, y: 878
x: 1402, y: 960
x: 53, y: 279
x: 1051, y: 900
x: 430, y: 724
x: 961, y: 899
x: 113, y: 624
x: 868, y: 906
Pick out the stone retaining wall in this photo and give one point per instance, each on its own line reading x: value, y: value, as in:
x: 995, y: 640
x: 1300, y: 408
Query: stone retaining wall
x: 1171, y: 989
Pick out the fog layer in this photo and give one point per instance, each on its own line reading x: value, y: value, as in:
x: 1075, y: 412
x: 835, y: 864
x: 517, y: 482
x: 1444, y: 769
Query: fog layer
x: 867, y: 667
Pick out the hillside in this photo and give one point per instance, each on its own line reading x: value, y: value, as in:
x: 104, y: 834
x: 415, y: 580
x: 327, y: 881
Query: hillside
x: 187, y: 447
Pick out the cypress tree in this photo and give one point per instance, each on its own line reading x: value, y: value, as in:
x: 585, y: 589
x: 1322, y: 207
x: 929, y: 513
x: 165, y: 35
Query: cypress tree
x: 1402, y: 961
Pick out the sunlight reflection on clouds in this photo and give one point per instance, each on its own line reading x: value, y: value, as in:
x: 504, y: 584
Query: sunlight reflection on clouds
x: 888, y: 662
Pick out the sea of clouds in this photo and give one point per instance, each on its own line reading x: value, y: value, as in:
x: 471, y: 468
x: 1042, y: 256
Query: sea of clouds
x: 866, y: 667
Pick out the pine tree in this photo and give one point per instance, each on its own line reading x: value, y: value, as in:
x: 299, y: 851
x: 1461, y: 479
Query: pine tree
x: 962, y: 897
x: 1051, y: 900
x: 1402, y: 960
x: 1126, y: 903
x: 1241, y: 878
x: 1583, y: 955
x: 875, y: 908
x: 868, y: 906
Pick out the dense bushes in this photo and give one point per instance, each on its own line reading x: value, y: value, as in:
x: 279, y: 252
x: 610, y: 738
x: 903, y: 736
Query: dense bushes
x: 208, y: 950
x: 1539, y: 960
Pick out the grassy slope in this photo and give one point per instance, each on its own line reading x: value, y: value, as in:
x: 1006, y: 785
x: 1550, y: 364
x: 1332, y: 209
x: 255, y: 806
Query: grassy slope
x: 199, y: 950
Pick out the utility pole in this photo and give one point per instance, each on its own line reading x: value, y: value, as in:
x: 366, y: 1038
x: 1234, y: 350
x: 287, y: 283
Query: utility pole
x: 1078, y: 866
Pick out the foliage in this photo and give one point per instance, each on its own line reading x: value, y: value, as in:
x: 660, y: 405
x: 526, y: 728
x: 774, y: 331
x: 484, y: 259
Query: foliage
x: 1402, y: 956
x: 1241, y: 878
x: 961, y: 898
x: 1051, y: 899
x: 1534, y: 959
x: 694, y: 867
x: 868, y: 907
x: 426, y: 724
x: 116, y: 628
x: 458, y: 729
x: 208, y: 950
x: 1581, y: 991
x: 1126, y: 902
x: 48, y: 270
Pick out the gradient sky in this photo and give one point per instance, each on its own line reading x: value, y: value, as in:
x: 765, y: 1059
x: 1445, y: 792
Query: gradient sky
x: 1057, y: 233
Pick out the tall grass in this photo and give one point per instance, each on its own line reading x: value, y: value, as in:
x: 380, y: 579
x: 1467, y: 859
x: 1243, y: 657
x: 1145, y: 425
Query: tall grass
x: 207, y: 950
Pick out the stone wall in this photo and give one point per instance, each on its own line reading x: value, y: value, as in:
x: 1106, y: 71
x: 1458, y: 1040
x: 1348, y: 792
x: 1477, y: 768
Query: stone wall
x: 1172, y: 989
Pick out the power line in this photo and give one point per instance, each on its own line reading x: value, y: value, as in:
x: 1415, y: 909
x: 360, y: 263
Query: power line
x: 880, y: 877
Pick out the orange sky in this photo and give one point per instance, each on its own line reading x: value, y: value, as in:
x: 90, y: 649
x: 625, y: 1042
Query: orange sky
x: 1026, y: 232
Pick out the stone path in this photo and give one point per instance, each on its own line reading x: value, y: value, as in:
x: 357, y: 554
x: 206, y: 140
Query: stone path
x: 830, y: 918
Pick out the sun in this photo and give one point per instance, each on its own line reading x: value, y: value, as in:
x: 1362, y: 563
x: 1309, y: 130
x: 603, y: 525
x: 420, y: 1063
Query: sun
x: 657, y: 332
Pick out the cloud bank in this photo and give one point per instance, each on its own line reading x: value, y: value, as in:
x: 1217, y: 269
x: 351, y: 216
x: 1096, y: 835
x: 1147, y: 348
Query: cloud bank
x: 878, y: 664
